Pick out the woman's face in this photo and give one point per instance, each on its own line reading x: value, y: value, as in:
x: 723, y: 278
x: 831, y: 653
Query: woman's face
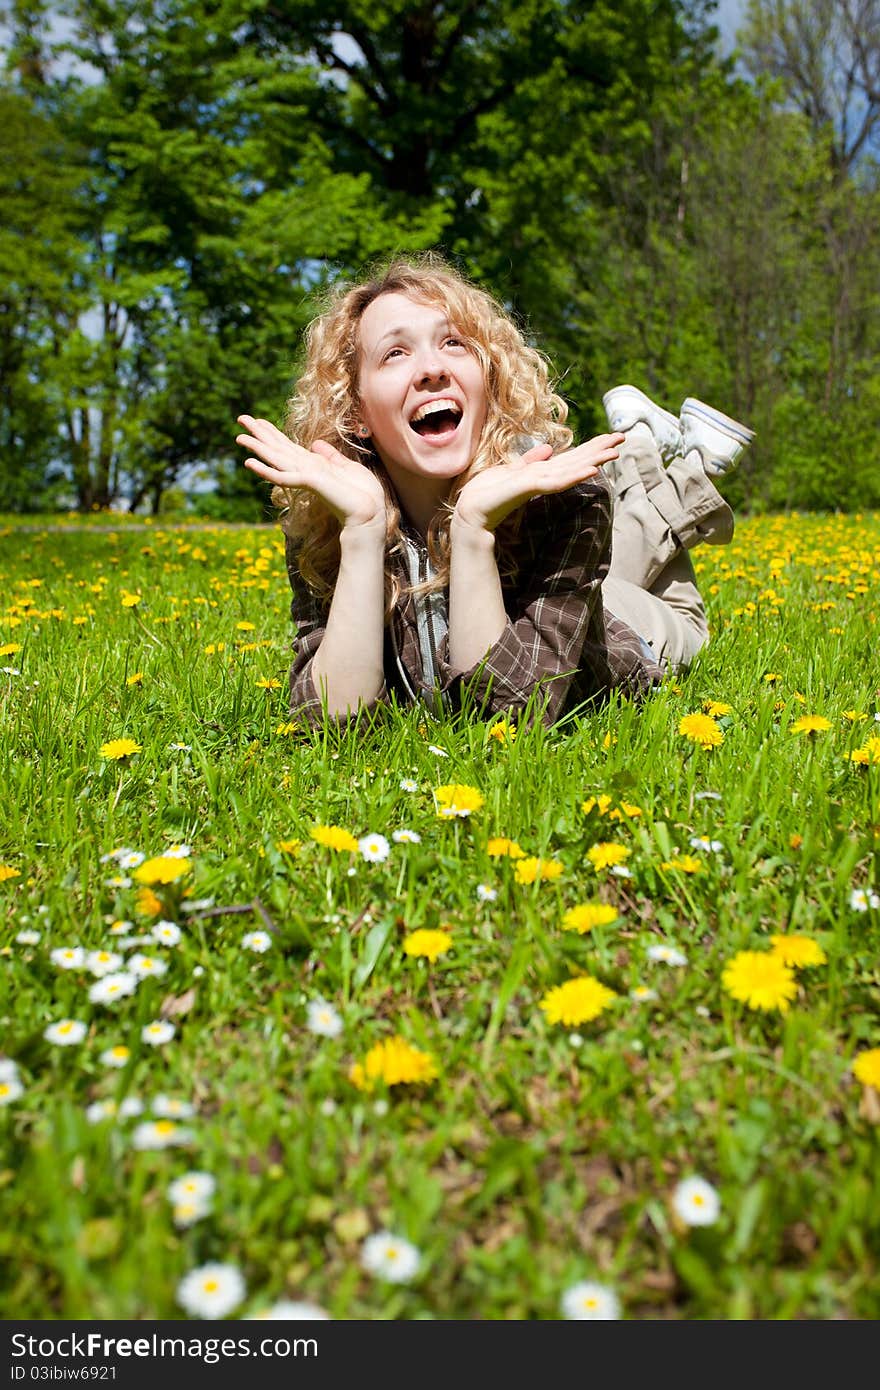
x: 423, y: 398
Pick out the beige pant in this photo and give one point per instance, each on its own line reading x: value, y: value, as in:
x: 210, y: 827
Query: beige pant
x: 659, y: 515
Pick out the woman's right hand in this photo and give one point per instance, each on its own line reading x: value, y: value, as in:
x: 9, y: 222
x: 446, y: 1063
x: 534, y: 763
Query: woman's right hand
x: 348, y: 489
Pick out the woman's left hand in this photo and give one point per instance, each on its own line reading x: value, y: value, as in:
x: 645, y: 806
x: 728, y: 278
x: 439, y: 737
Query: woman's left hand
x: 488, y: 498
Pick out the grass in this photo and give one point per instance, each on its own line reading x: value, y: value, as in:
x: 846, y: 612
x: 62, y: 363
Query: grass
x: 543, y: 1154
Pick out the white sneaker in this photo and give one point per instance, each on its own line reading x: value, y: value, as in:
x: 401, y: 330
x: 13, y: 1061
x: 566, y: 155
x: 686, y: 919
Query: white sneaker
x: 718, y: 439
x: 625, y: 406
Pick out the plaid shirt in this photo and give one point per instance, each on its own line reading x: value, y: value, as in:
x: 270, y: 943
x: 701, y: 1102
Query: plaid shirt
x: 558, y: 641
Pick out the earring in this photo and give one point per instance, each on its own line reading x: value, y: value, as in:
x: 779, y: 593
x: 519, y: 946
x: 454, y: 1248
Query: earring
x: 362, y: 431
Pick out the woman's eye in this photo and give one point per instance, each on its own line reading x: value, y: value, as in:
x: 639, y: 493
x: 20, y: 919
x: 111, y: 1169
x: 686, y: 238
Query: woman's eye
x: 454, y: 342
x: 391, y: 353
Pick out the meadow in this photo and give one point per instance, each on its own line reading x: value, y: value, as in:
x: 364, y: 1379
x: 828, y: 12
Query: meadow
x: 450, y: 1020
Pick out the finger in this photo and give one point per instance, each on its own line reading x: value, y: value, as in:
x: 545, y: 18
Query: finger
x: 537, y: 454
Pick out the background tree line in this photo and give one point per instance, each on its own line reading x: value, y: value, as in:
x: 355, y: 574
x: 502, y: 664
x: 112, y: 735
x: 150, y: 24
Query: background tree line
x: 184, y: 177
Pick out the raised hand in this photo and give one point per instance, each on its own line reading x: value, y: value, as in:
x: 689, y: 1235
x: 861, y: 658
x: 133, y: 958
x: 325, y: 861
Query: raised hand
x: 488, y: 498
x: 348, y: 489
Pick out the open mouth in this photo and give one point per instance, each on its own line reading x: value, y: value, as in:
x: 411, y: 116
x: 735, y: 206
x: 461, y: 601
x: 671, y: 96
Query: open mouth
x: 437, y: 420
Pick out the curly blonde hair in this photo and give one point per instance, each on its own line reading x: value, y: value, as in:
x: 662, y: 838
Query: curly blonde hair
x: 522, y: 408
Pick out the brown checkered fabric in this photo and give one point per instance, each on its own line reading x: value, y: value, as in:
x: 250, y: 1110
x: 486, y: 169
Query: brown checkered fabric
x: 558, y: 643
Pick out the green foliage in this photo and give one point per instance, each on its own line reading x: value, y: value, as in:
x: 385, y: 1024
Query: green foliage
x: 200, y: 172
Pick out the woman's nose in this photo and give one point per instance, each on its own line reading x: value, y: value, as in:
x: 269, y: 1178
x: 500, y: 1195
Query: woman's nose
x: 430, y: 367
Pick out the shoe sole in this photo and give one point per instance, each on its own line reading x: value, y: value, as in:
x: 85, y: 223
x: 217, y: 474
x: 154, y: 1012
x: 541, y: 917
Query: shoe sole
x: 710, y: 416
x: 641, y: 403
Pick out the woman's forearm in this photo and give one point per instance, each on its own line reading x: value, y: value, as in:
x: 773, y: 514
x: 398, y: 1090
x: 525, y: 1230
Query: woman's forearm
x: 477, y: 617
x: 347, y: 668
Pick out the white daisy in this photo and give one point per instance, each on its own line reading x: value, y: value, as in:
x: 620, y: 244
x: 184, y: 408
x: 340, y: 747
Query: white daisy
x: 118, y: 881
x: 8, y: 1069
x: 158, y: 1032
x: 701, y: 842
x: 374, y: 848
x: 406, y: 837
x: 621, y: 871
x: 180, y: 747
x: 328, y: 1106
x: 408, y: 784
x: 121, y: 927
x: 391, y: 1257
x: 697, y: 1202
x: 170, y: 1108
x: 667, y: 954
x: 438, y: 752
x: 131, y: 859
x: 143, y: 967
x: 486, y: 894
x: 187, y: 1213
x: 28, y: 938
x: 101, y: 1110
x: 68, y: 957
x: 322, y: 1018
x: 66, y: 1032
x: 160, y: 1134
x: 590, y: 1300
x: 102, y: 963
x: 286, y: 1309
x: 211, y: 1291
x: 10, y: 670
x: 129, y: 1107
x: 860, y: 899
x: 192, y: 1187
x: 177, y: 852
x: 113, y: 987
x: 708, y: 796
x: 10, y: 1088
x: 167, y: 933
x: 642, y: 994
x: 259, y: 941
x: 575, y: 1040
x: 129, y: 943
x: 200, y: 905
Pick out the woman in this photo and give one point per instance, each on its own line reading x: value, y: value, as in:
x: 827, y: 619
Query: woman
x: 445, y: 541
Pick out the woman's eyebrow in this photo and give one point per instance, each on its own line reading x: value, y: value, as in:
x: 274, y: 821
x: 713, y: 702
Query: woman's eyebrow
x: 404, y: 330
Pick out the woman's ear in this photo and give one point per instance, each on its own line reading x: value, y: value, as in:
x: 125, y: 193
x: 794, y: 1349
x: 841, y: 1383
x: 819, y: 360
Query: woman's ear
x: 362, y: 432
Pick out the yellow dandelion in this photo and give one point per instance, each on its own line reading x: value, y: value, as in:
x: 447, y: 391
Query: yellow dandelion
x: 685, y: 863
x: 10, y: 648
x: 796, y: 951
x: 532, y: 870
x: 394, y: 1062
x: 288, y: 846
x: 245, y: 627
x: 626, y: 808
x: 810, y: 724
x: 119, y: 748
x: 334, y: 837
x: 853, y: 715
x: 456, y: 799
x: 289, y: 728
x: 795, y: 840
x: 429, y: 944
x: 147, y: 904
x: 600, y: 803
x: 586, y: 916
x: 701, y: 729
x: 499, y: 846
x: 269, y: 683
x: 716, y: 708
x: 606, y: 854
x: 760, y: 979
x: 164, y: 868
x: 866, y: 1068
x: 772, y: 677
x: 502, y: 731
x: 130, y: 600
x: 868, y: 753
x: 577, y: 1001
x: 7, y: 872
x: 136, y: 679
